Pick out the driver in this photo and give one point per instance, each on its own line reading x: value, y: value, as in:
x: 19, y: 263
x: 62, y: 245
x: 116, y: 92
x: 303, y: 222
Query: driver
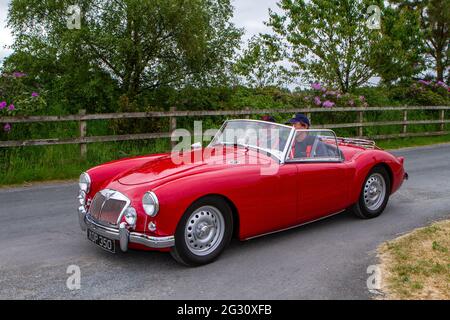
x: 304, y: 142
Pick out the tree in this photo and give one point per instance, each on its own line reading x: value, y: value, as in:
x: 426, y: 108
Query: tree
x: 137, y: 44
x: 399, y: 54
x: 328, y: 40
x: 435, y: 21
x: 260, y: 64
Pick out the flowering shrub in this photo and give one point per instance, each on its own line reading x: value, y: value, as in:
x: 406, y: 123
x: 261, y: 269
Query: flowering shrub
x: 18, y: 96
x: 430, y: 92
x: 329, y: 98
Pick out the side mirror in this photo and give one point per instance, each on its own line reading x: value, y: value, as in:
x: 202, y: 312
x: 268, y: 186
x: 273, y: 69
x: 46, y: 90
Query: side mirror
x: 197, y: 145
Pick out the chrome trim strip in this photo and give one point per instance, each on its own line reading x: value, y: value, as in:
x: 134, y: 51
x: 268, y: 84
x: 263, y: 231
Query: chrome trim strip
x: 314, y: 160
x: 296, y: 226
x: 124, y: 236
x: 287, y: 147
x: 81, y: 218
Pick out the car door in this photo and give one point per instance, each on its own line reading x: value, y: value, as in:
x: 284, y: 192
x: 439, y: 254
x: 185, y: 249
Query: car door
x: 322, y: 189
x: 322, y: 175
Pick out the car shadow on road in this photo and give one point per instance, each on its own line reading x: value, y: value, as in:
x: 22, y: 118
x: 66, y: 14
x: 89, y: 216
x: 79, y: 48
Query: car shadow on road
x: 237, y: 249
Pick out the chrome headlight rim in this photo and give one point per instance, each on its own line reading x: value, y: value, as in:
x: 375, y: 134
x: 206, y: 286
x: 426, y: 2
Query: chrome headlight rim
x: 85, y: 182
x: 150, y: 195
x: 82, y: 197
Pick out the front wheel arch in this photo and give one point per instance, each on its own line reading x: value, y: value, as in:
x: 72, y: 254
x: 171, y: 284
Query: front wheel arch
x: 234, y: 210
x: 186, y: 238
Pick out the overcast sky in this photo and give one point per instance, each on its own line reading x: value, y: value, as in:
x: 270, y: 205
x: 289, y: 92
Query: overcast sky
x: 248, y: 14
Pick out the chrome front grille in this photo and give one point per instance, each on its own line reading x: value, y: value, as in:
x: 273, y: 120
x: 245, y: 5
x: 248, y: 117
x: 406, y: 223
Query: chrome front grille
x: 107, y: 206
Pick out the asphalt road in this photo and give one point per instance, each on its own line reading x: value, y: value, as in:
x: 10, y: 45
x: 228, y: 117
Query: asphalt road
x: 40, y: 237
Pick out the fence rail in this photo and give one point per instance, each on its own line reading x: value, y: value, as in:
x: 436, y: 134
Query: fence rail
x: 82, y: 119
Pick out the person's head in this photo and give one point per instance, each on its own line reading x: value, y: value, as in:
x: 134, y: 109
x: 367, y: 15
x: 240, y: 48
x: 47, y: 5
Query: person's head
x: 300, y: 121
x: 268, y: 118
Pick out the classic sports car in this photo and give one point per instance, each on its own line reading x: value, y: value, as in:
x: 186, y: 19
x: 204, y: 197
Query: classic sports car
x: 254, y: 178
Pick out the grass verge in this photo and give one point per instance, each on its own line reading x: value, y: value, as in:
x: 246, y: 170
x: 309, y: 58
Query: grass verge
x: 412, y: 142
x: 417, y: 265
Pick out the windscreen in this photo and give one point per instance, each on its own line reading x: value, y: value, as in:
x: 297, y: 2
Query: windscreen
x: 267, y: 136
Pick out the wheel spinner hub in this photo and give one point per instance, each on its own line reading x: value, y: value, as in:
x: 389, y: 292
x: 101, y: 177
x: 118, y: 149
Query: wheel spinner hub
x: 204, y: 230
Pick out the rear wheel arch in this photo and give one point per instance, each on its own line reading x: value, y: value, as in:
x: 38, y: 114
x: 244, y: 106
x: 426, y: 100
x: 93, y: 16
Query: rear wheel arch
x: 388, y: 170
x: 362, y: 207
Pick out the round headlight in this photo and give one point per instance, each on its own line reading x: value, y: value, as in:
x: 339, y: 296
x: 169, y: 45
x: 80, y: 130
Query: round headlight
x: 150, y: 204
x: 85, y: 182
x: 131, y: 216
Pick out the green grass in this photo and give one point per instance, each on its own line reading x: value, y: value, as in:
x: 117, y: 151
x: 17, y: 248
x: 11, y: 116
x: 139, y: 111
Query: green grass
x: 416, y: 265
x: 412, y: 142
x: 44, y: 163
x: 30, y: 164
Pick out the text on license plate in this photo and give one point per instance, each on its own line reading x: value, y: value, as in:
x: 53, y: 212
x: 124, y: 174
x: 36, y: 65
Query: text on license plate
x: 101, y: 241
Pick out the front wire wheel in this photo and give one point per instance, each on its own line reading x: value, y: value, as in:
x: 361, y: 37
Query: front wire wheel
x: 203, y: 232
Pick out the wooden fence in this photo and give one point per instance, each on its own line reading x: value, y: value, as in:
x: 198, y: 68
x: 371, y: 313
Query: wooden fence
x: 83, y: 139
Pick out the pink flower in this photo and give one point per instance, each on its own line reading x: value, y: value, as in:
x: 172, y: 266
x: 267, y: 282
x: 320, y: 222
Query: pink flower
x: 351, y: 102
x: 35, y: 94
x: 3, y: 104
x: 362, y: 98
x: 11, y: 107
x: 316, y: 86
x: 317, y: 101
x: 441, y: 84
x: 18, y: 74
x: 7, y: 127
x: 328, y: 104
x: 424, y: 82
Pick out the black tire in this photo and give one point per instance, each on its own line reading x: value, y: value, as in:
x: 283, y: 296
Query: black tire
x: 182, y: 253
x: 361, y: 209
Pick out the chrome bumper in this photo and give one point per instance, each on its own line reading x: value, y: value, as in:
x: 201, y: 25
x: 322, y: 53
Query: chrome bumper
x: 123, y: 235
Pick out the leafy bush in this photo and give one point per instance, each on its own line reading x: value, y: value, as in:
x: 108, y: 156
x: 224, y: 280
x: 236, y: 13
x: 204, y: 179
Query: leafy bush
x: 18, y: 96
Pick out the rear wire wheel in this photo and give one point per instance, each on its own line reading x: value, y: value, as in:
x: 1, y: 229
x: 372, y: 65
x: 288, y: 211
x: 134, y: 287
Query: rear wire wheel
x: 374, y: 195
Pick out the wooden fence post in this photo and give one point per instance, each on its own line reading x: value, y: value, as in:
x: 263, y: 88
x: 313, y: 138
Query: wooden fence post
x: 442, y: 118
x: 173, y: 126
x: 405, y: 118
x: 360, y: 121
x: 309, y: 116
x: 83, y: 131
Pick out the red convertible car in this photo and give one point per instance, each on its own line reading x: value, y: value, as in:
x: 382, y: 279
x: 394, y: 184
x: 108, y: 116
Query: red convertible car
x: 254, y: 178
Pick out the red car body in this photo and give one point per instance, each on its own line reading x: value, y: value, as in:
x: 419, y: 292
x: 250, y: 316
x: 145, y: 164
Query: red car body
x: 298, y: 193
